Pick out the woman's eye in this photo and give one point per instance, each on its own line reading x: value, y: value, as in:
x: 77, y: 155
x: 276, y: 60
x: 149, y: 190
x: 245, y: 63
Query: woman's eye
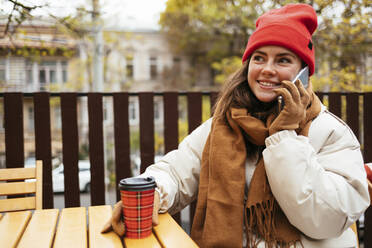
x: 258, y: 58
x: 284, y: 60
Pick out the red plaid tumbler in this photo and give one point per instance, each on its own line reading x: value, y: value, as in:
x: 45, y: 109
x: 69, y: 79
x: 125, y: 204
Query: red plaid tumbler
x: 137, y: 195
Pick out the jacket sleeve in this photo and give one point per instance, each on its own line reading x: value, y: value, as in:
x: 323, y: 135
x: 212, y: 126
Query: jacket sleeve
x: 177, y: 173
x: 319, y: 182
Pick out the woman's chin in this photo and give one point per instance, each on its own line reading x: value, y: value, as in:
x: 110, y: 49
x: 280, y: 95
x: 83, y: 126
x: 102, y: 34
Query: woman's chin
x: 267, y: 98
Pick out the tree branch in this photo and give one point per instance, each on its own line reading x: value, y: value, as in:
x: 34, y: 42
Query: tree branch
x: 28, y: 8
x: 23, y: 11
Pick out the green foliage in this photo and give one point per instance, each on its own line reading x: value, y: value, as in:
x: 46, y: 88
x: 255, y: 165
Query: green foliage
x: 226, y: 67
x: 134, y: 141
x: 206, y: 108
x: 159, y: 143
x: 208, y: 31
x: 84, y: 151
x: 346, y: 78
x: 183, y: 128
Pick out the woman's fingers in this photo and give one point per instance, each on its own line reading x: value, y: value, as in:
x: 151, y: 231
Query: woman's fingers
x: 292, y: 88
x: 305, y: 98
x: 119, y: 228
x: 155, y: 212
x: 117, y: 220
x: 287, y: 98
x: 107, y: 227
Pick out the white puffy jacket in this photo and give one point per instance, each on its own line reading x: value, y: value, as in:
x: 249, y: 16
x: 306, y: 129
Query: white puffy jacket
x: 319, y: 181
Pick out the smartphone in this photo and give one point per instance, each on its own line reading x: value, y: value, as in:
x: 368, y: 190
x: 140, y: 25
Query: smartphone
x: 303, y: 75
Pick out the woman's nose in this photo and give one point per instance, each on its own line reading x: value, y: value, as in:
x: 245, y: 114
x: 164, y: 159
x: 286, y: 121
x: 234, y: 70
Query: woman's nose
x: 268, y: 69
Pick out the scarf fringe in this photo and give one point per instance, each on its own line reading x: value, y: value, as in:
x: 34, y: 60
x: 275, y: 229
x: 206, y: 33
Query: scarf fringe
x: 260, y: 225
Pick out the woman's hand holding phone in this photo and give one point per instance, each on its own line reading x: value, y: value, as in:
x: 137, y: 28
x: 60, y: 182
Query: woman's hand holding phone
x: 296, y: 100
x: 303, y: 76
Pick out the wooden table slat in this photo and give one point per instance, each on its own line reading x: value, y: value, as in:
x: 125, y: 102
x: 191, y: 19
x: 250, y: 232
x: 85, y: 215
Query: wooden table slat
x: 40, y: 231
x: 149, y: 242
x: 72, y: 228
x: 98, y: 216
x: 12, y: 226
x: 170, y: 234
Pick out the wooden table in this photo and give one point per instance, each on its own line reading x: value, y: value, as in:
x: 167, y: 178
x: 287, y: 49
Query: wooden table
x: 71, y: 227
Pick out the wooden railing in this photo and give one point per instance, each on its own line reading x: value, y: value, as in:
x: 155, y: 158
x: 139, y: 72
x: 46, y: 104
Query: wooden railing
x: 354, y: 108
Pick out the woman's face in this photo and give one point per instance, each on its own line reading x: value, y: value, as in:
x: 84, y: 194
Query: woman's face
x: 268, y: 67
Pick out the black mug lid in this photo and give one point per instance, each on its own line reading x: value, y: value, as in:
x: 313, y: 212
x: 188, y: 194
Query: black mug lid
x: 137, y: 183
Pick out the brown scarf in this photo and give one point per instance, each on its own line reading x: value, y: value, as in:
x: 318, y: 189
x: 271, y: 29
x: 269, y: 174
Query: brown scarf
x: 220, y: 211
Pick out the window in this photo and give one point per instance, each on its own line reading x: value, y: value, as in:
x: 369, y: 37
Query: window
x: 48, y: 72
x: 64, y: 71
x: 2, y: 70
x: 177, y: 65
x: 105, y: 112
x: 156, y: 111
x: 132, y: 111
x: 30, y: 118
x: 29, y: 76
x: 29, y: 72
x: 64, y: 76
x: 57, y: 117
x: 52, y: 76
x: 153, y: 67
x: 2, y: 75
x: 42, y: 76
x: 129, y: 66
x: 1, y: 121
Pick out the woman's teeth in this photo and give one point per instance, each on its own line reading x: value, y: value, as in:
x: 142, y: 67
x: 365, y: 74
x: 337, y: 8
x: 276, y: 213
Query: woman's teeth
x: 268, y: 84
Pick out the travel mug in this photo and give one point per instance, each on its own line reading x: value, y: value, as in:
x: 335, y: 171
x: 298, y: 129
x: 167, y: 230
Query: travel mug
x: 137, y: 196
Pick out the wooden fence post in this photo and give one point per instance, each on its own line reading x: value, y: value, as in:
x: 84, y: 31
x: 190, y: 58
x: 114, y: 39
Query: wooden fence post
x: 122, y: 141
x: 96, y: 149
x: 367, y: 116
x: 43, y: 144
x: 70, y: 147
x: 13, y: 123
x: 146, y: 103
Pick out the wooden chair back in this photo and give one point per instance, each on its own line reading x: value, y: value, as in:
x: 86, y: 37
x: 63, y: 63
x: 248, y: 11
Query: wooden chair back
x: 12, y: 183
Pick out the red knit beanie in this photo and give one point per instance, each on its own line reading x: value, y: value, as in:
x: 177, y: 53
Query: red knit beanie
x: 291, y: 27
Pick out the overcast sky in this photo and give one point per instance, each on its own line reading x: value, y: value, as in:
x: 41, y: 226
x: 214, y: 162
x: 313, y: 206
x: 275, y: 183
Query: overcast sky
x: 130, y: 14
x: 134, y: 13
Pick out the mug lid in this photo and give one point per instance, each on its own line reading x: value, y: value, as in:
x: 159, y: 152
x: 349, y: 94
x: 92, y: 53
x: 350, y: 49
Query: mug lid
x: 137, y: 183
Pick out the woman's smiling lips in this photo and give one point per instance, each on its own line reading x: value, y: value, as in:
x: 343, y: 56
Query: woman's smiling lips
x: 268, y: 84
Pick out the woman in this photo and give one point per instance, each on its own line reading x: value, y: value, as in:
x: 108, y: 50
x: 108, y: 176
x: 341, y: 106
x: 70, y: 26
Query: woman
x: 266, y: 176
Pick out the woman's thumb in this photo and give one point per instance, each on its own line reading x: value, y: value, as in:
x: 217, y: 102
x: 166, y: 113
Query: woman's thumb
x: 155, y: 213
